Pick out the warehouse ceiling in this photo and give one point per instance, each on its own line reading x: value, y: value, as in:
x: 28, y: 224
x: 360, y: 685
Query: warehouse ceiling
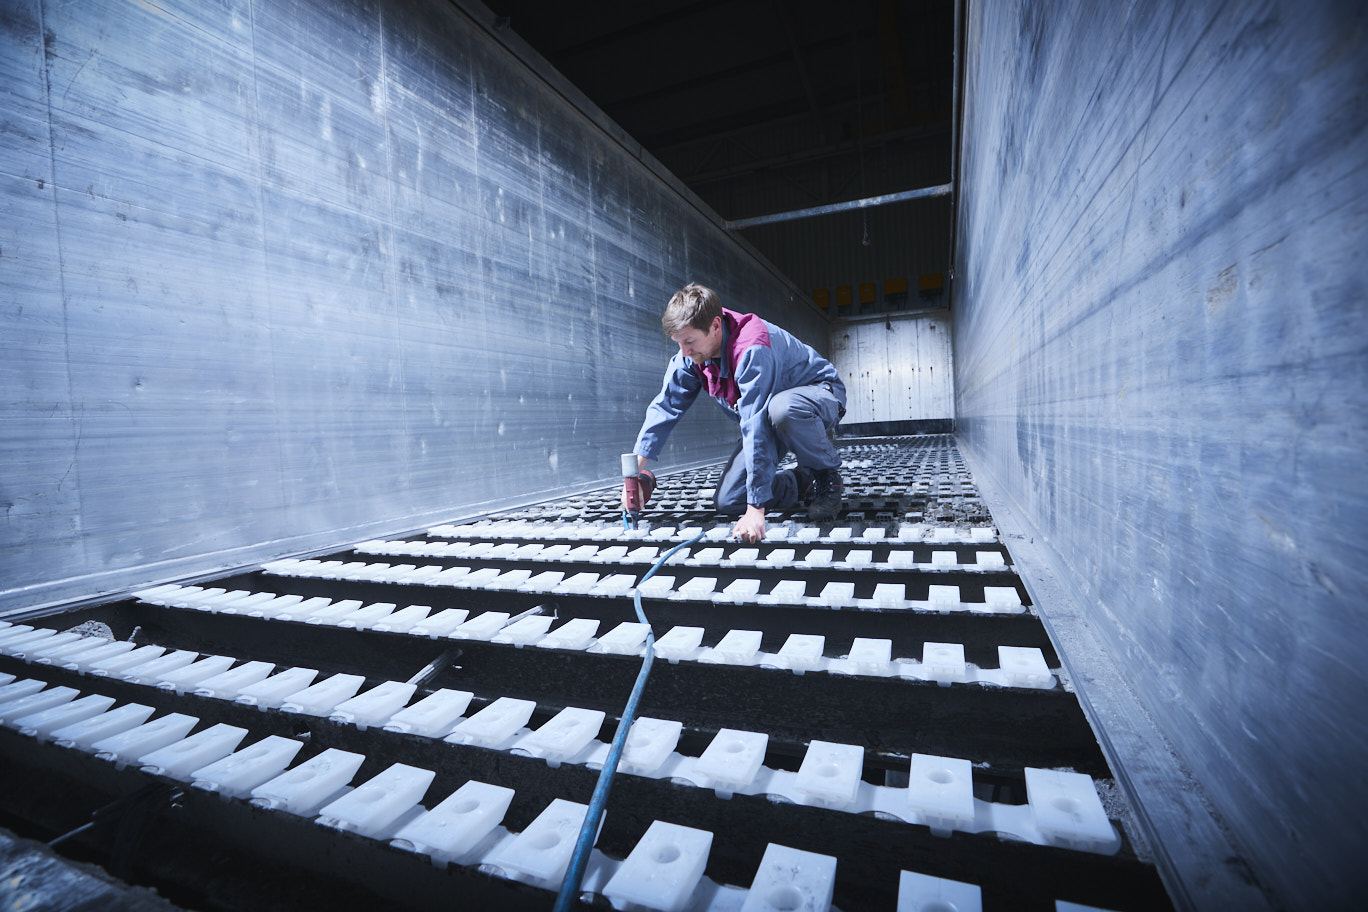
x: 724, y: 92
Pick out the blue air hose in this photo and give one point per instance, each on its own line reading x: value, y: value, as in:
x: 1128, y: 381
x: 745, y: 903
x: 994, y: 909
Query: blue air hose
x: 570, y: 886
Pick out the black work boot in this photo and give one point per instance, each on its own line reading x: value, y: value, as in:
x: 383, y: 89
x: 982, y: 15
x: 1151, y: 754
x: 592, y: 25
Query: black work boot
x: 825, y: 495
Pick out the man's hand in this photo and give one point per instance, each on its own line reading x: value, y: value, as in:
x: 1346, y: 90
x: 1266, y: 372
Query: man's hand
x: 751, y: 526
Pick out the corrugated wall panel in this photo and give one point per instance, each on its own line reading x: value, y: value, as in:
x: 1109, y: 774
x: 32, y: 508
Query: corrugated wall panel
x: 276, y: 273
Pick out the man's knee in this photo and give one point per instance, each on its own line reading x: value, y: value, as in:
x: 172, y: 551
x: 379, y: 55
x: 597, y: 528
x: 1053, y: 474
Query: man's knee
x: 786, y: 406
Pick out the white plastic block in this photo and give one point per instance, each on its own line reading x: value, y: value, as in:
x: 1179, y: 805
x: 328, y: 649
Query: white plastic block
x: 21, y: 688
x: 541, y: 853
x: 873, y: 533
x: 649, y: 743
x: 983, y: 534
x: 563, y: 736
x: 118, y: 663
x: 372, y: 807
x: 662, y: 871
x: 441, y: 623
x: 924, y: 893
x: 53, y: 648
x: 707, y: 556
x: 83, y: 735
x: 320, y: 699
x: 786, y: 592
x: 36, y: 702
x: 495, y: 724
x: 731, y: 761
x: 574, y: 634
x: 368, y: 616
x: 227, y: 685
x: 743, y: 557
x: 182, y: 758
x: 19, y: 632
x: 737, y: 647
x: 779, y: 557
x: 870, y: 656
x: 991, y: 560
x: 32, y: 644
x: 817, y: 557
x: 330, y: 615
x: 610, y: 555
x: 451, y: 576
x: 679, y: 643
x: 942, y: 560
x: 642, y: 555
x: 700, y: 587
x: 296, y: 611
x: 834, y: 595
x: 478, y: 579
x: 902, y: 559
x: 1024, y: 666
x: 942, y: 534
x: 271, y: 692
x: 457, y: 824
x: 624, y: 639
x: 238, y: 773
x: 527, y: 630
x: 87, y: 659
x: 943, y: 662
x: 841, y: 533
x: 186, y: 679
x: 1002, y: 599
x: 802, y: 652
x: 1067, y: 810
x: 657, y: 587
x: 807, y: 533
x: 791, y: 879
x: 135, y: 742
x: 272, y: 607
x: 155, y: 670
x: 432, y: 716
x: 305, y: 788
x: 578, y: 584
x: 404, y: 619
x: 246, y: 604
x: 615, y: 584
x: 42, y: 723
x: 375, y: 706
x: 543, y: 582
x: 941, y: 790
x: 741, y: 590
x: 943, y: 598
x: 509, y: 579
x: 889, y: 595
x: 830, y: 774
x: 859, y: 557
x: 582, y: 553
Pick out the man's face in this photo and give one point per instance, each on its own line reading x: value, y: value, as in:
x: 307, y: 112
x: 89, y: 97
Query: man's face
x: 698, y: 345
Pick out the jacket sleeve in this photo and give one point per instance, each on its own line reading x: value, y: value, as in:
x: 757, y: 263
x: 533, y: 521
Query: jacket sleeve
x: 678, y: 392
x: 755, y: 377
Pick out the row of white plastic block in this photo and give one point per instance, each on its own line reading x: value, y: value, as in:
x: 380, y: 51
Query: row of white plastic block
x: 1019, y: 666
x: 596, y: 531
x: 837, y: 594
x: 811, y: 557
x: 1063, y: 808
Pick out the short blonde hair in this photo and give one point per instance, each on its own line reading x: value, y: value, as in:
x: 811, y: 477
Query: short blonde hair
x: 692, y: 306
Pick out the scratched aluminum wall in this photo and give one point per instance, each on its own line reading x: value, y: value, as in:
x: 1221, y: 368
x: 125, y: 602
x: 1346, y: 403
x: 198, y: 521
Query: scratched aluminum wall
x: 1161, y: 358
x: 280, y: 273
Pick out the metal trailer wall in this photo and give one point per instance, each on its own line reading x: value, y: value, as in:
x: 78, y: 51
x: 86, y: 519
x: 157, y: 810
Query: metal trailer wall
x: 1161, y: 354
x: 896, y: 367
x: 279, y: 274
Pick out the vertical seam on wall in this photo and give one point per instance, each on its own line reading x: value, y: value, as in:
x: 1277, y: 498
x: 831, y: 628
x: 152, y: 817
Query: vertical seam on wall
x: 76, y: 410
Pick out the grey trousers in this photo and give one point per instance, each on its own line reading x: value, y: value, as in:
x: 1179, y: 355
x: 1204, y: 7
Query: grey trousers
x: 801, y: 418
